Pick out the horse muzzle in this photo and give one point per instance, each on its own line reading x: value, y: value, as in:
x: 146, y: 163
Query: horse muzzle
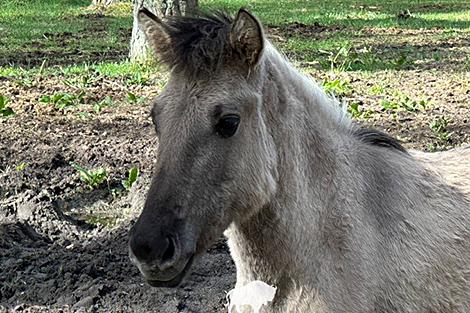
x: 170, y: 277
x: 163, y: 258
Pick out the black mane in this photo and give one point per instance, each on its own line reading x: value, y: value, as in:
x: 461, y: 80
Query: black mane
x: 199, y: 42
x: 377, y: 138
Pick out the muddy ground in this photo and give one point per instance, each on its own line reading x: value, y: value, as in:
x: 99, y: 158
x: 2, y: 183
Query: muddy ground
x: 63, y: 247
x: 55, y: 254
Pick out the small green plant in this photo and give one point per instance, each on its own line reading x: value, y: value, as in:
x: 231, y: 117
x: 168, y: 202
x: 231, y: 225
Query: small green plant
x: 404, y: 102
x: 339, y: 59
x: 354, y: 108
x: 106, y: 102
x: 412, y: 105
x: 439, y: 128
x: 83, y: 115
x: 25, y: 82
x: 93, y: 178
x: 377, y: 90
x: 83, y: 79
x: 432, y: 147
x: 103, y: 219
x: 388, y: 105
x: 337, y: 87
x: 346, y: 58
x: 64, y: 100
x: 5, y: 111
x: 131, y: 178
x: 467, y: 62
x: 437, y: 56
x: 402, y: 61
x: 132, y: 98
x: 20, y: 167
x: 137, y: 78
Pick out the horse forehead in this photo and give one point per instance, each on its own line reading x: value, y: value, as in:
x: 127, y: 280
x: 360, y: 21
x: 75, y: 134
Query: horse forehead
x: 187, y: 101
x: 221, y: 82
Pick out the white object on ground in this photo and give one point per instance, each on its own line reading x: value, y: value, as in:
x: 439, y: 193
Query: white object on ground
x: 254, y: 294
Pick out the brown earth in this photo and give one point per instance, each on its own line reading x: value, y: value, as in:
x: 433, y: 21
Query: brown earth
x: 54, y: 255
x: 63, y: 247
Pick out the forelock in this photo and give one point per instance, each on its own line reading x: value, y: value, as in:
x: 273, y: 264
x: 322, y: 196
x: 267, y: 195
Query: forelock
x: 199, y: 43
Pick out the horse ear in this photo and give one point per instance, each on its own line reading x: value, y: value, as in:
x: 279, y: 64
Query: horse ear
x: 155, y: 31
x: 246, y: 37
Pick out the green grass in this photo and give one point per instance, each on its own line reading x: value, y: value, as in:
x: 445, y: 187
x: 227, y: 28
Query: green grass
x: 82, y: 75
x: 65, y: 38
x: 439, y: 128
x: 59, y: 32
x: 337, y: 87
x: 447, y: 13
x: 450, y: 18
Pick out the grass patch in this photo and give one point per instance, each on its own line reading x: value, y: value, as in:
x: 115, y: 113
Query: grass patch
x: 338, y: 87
x: 60, y: 32
x: 404, y: 103
x: 424, y: 14
x: 439, y: 128
x: 84, y: 75
x: 67, y: 32
x: 64, y: 100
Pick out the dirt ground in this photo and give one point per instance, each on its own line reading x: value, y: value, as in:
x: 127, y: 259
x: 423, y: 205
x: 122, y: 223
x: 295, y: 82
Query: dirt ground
x: 53, y: 258
x: 63, y: 247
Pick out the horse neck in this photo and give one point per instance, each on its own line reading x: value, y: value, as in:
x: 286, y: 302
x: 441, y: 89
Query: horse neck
x: 308, y: 129
x: 300, y: 96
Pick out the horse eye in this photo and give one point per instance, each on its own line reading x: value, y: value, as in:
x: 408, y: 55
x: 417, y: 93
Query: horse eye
x: 227, y: 126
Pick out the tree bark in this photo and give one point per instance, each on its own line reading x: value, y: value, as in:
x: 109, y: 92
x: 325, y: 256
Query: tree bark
x: 139, y: 50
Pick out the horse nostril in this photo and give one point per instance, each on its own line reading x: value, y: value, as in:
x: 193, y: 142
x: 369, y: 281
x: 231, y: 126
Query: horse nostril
x: 160, y: 252
x: 169, y: 254
x: 145, y: 251
x: 142, y: 251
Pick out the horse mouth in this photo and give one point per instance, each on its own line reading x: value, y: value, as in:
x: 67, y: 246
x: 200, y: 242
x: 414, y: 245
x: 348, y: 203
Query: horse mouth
x: 175, y: 281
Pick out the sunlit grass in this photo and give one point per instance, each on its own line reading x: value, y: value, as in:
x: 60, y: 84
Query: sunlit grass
x: 29, y: 27
x: 448, y: 13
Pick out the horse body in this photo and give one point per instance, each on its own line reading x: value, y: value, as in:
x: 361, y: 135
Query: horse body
x: 354, y: 227
x: 337, y: 218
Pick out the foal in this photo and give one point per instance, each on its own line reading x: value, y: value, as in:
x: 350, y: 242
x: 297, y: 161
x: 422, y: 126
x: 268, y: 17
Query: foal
x: 338, y: 218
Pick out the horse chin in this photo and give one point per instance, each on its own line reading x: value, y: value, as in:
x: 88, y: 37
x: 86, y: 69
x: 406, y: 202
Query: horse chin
x: 175, y: 281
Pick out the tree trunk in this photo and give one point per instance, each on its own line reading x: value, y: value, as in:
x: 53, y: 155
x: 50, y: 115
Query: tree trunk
x: 139, y: 50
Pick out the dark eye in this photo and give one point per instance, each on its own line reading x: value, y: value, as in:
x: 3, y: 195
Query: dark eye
x: 227, y: 125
